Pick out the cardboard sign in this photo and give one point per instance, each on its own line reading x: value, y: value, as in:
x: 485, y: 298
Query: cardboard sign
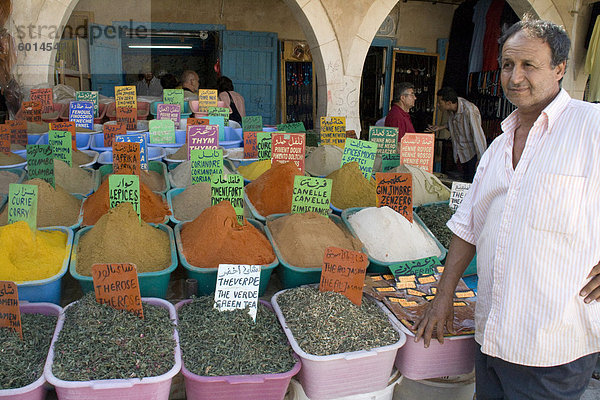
x: 288, y: 147
x: 62, y: 146
x: 202, y: 137
x: 117, y: 285
x: 173, y: 96
x: 263, y: 145
x: 18, y: 132
x: 40, y: 162
x: 111, y: 131
x: 207, y: 98
x: 10, y: 313
x: 237, y: 288
x: 220, y: 122
x: 125, y: 97
x: 126, y: 158
x: 220, y: 112
x: 4, y: 139
x: 252, y: 123
x: 417, y: 149
x: 22, y: 204
x: 311, y: 195
x: 68, y: 126
x: 250, y: 145
x: 362, y: 152
x: 292, y: 127
x: 230, y: 188
x: 82, y: 113
x: 344, y: 272
x: 32, y: 110
x: 458, y: 193
x: 423, y: 267
x: 389, y: 161
x: 205, y: 163
x: 92, y: 97
x: 197, y: 121
x: 124, y: 189
x: 162, y: 131
x: 395, y: 191
x: 141, y: 139
x: 128, y: 117
x: 169, y: 112
x: 386, y: 139
x: 333, y: 131
x: 45, y: 97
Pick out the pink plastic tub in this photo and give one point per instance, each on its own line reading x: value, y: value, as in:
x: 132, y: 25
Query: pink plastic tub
x: 237, y: 387
x: 150, y: 388
x: 142, y: 107
x: 35, y: 390
x: 58, y: 108
x: 343, y: 374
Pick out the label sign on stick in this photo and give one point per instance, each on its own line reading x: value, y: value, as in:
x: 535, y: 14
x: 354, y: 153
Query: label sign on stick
x: 124, y: 189
x: 292, y: 127
x: 111, y: 131
x: 202, y: 137
x: 125, y: 97
x: 252, y: 123
x: 127, y: 116
x: 126, y: 158
x: 141, y: 139
x: 389, y: 161
x: 205, y: 163
x: 333, y: 131
x: 230, y: 188
x: 237, y: 288
x: 459, y: 190
x: 22, y: 204
x: 117, y: 285
x: 197, y: 121
x: 219, y: 112
x: 207, y: 98
x: 18, y: 132
x: 311, y: 195
x: 263, y: 145
x: 385, y: 137
x: 45, y: 97
x: 40, y: 163
x: 4, y: 139
x: 288, y: 147
x: 68, y: 126
x: 220, y: 122
x: 162, y: 131
x: 344, y: 272
x: 362, y: 152
x: 395, y: 191
x: 62, y: 147
x: 10, y: 314
x: 250, y: 145
x: 82, y: 113
x: 173, y: 96
x: 91, y: 96
x: 169, y: 112
x: 417, y: 149
x: 416, y: 268
x: 32, y: 110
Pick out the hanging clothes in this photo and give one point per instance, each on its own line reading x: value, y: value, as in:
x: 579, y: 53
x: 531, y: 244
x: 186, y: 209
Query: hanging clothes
x: 492, y: 33
x: 476, y: 54
x: 592, y: 65
x: 595, y: 13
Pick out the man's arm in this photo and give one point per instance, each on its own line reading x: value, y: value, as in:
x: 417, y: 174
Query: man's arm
x: 591, y: 291
x: 478, y: 134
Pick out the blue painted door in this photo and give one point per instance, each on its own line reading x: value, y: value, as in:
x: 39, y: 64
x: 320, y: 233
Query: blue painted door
x: 250, y: 60
x: 106, y: 64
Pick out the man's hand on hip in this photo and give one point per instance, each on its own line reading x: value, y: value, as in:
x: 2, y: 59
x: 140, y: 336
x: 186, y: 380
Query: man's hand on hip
x: 591, y: 291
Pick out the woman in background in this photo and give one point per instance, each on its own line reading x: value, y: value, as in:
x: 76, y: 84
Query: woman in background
x: 233, y: 100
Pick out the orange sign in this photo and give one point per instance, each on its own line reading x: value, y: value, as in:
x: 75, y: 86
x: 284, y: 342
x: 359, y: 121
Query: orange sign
x: 344, y: 272
x: 18, y: 132
x: 395, y: 191
x: 117, y: 285
x: 198, y: 121
x: 126, y: 158
x: 128, y: 117
x: 10, y: 314
x: 417, y: 149
x: 288, y: 147
x: 4, y: 139
x: 44, y: 96
x: 32, y: 110
x: 67, y: 126
x: 111, y: 131
x: 250, y: 145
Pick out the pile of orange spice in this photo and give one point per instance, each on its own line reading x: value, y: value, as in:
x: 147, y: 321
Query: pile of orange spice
x: 271, y: 193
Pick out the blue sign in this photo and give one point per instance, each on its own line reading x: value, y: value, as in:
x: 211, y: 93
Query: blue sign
x: 142, y: 139
x: 82, y: 113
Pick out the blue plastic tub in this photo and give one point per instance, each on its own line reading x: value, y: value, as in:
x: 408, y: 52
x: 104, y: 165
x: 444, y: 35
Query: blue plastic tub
x: 253, y: 210
x: 207, y: 277
x: 155, y: 166
x: 185, y: 113
x: 170, y: 194
x: 3, y: 200
x: 233, y: 138
x: 154, y: 154
x: 82, y: 140
x: 152, y: 284
x: 97, y: 142
x: 31, y: 139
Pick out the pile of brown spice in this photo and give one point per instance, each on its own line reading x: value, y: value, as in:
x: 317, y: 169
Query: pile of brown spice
x: 271, y: 193
x: 74, y: 179
x: 188, y: 204
x: 10, y: 159
x: 6, y: 178
x: 154, y: 180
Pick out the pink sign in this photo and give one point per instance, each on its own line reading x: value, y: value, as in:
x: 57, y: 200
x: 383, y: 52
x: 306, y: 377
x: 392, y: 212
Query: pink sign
x: 169, y: 111
x: 417, y: 150
x: 288, y: 147
x: 202, y: 137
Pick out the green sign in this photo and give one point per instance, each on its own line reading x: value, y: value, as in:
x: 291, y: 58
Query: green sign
x: 219, y: 112
x: 311, y: 194
x: 386, y: 139
x: 22, y: 204
x: 124, y: 189
x: 252, y: 123
x: 162, y: 131
x: 220, y: 122
x: 263, y: 145
x: 62, y: 148
x: 389, y: 161
x: 292, y: 127
x: 40, y: 163
x: 362, y: 152
x: 91, y: 96
x: 420, y: 267
x: 173, y: 96
x: 205, y: 163
x: 230, y: 188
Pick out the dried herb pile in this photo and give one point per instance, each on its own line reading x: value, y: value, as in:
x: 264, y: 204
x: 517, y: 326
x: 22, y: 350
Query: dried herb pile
x: 99, y: 342
x: 220, y: 343
x: 325, y: 323
x: 435, y: 217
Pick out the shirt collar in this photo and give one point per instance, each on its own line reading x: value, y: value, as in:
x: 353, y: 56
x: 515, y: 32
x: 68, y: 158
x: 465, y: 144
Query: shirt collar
x: 551, y: 113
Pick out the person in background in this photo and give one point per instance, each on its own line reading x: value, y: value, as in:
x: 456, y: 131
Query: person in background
x: 464, y: 124
x: 148, y: 85
x: 537, y: 320
x: 398, y: 117
x: 169, y: 81
x: 190, y: 82
x: 233, y: 100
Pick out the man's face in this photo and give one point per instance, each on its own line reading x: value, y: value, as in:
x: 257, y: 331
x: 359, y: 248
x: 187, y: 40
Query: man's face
x: 528, y: 79
x: 408, y: 98
x: 442, y: 104
x: 148, y: 76
x: 193, y: 83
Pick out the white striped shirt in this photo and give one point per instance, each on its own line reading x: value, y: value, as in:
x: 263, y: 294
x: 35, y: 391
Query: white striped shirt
x: 466, y: 132
x: 537, y: 233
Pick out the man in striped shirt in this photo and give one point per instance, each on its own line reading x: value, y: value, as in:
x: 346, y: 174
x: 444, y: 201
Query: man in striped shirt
x: 533, y: 214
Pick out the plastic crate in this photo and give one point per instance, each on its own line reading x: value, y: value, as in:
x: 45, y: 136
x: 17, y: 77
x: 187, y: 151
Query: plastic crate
x: 82, y: 140
x: 152, y: 284
x: 142, y: 107
x: 155, y: 166
x: 207, y: 277
x: 64, y: 115
x: 155, y: 387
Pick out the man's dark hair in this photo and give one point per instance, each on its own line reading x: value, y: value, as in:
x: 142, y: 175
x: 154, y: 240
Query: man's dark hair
x: 168, y: 81
x: 401, y: 89
x: 555, y: 35
x: 448, y: 94
x: 224, y: 84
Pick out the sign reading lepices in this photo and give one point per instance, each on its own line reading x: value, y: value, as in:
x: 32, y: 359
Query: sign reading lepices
x: 385, y: 137
x: 10, y: 314
x: 45, y: 97
x: 117, y: 285
x: 237, y: 288
x: 288, y: 147
x: 169, y: 112
x: 91, y: 96
x: 124, y: 189
x: 362, y: 152
x: 141, y: 139
x: 82, y: 113
x: 62, y: 148
x: 458, y: 193
x: 22, y: 204
x: 333, y: 131
x: 395, y: 191
x: 205, y: 163
x: 417, y: 149
x: 207, y: 98
x: 230, y: 188
x: 202, y: 137
x: 40, y: 163
x: 311, y: 195
x: 344, y: 272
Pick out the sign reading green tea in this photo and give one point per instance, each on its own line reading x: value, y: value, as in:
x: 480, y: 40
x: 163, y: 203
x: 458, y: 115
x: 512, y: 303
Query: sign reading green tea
x: 458, y: 193
x: 162, y: 131
x: 173, y: 96
x: 389, y: 161
x: 40, y: 163
x: 45, y: 97
x: 362, y: 152
x: 23, y: 204
x: 288, y: 147
x: 252, y: 123
x: 385, y: 137
x: 62, y: 149
x: 117, y: 286
x: 91, y: 96
x: 237, y: 288
x: 82, y: 113
x: 219, y: 112
x: 417, y: 268
x: 311, y: 195
x: 202, y: 137
x: 124, y: 189
x: 344, y: 272
x: 395, y: 191
x: 292, y: 127
x: 333, y: 131
x: 141, y: 139
x: 263, y: 145
x: 205, y: 163
x: 230, y: 188
x: 10, y: 313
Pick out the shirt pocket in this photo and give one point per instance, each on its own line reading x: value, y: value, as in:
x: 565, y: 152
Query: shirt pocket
x: 556, y: 205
